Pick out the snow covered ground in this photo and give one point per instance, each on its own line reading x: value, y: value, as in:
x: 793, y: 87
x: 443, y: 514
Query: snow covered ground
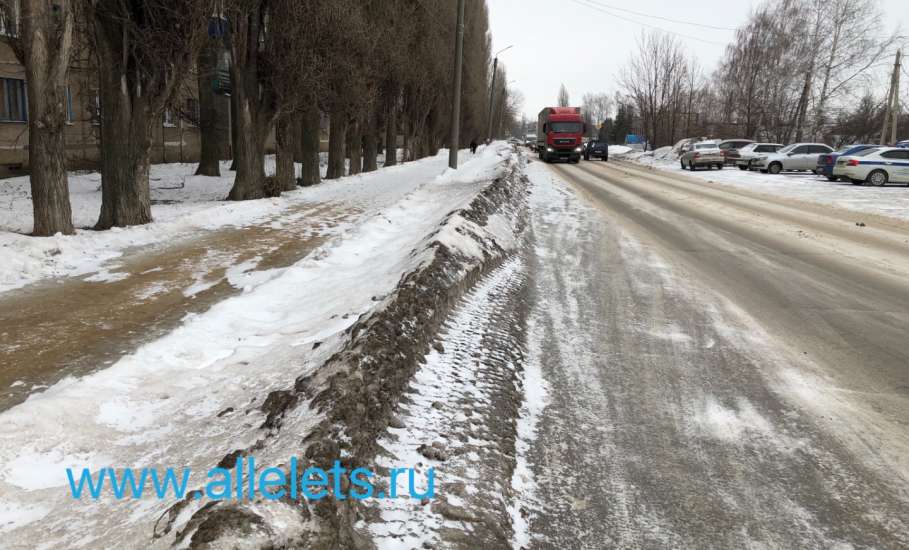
x: 183, y: 205
x: 892, y: 201
x: 195, y: 394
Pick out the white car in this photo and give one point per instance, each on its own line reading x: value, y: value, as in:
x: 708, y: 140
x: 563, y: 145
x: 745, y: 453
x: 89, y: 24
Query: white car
x: 878, y: 166
x: 798, y: 156
x: 743, y: 157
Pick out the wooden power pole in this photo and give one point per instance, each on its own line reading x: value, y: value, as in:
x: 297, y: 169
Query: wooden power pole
x: 455, y: 138
x: 892, y: 106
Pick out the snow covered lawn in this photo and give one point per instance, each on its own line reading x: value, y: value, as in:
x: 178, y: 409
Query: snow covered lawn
x: 196, y: 394
x: 892, y: 201
x: 183, y: 206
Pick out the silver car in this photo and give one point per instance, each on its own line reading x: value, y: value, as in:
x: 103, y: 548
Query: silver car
x: 798, y: 156
x: 743, y: 157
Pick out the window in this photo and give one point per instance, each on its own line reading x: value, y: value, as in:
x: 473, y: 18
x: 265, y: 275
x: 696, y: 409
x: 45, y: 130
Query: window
x: 169, y: 117
x: 895, y: 155
x: 9, y: 19
x: 801, y: 150
x: 822, y: 149
x: 70, y: 115
x: 94, y: 108
x: 787, y: 149
x: 13, y: 105
x: 566, y: 127
x: 191, y: 111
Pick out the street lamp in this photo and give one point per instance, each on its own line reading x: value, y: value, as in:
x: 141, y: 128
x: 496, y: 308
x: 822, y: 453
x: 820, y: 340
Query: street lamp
x: 492, y: 88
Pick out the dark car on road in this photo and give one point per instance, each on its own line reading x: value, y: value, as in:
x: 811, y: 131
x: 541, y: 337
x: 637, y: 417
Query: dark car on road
x: 825, y: 163
x: 596, y: 149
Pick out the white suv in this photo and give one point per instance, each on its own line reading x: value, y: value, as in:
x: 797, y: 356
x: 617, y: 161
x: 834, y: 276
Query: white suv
x: 798, y: 156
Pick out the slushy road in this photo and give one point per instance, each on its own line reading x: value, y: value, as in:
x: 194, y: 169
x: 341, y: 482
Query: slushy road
x: 723, y: 369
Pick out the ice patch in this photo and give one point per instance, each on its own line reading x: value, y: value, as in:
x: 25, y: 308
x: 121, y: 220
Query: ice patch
x: 733, y: 425
x: 33, y: 469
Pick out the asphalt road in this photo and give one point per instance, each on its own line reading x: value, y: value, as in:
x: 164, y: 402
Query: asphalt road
x: 725, y: 369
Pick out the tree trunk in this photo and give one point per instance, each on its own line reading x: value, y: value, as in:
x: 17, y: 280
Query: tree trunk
x: 284, y: 154
x: 355, y: 146
x: 391, y: 135
x: 233, y: 134
x: 337, y: 133
x: 803, y: 104
x: 125, y: 140
x: 249, y: 147
x: 46, y: 51
x: 370, y: 141
x: 212, y: 112
x: 309, y: 144
x: 49, y: 185
x: 125, y: 160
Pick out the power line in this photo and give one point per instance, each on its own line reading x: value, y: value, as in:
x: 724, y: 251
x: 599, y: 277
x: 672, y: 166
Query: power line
x: 588, y: 4
x: 662, y: 18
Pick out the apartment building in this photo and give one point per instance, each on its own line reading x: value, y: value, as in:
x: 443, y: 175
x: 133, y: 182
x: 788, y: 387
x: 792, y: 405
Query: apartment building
x: 176, y: 139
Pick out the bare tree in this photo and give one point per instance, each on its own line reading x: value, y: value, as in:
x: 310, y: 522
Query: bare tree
x: 144, y: 50
x: 310, y: 118
x: 272, y: 66
x: 655, y: 79
x: 852, y: 44
x: 45, y: 46
x: 595, y: 107
x: 563, y: 99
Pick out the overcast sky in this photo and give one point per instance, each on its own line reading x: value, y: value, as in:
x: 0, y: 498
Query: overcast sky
x: 572, y: 41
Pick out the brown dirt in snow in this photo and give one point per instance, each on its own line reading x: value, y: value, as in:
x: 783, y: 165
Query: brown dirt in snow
x: 75, y: 326
x: 359, y: 387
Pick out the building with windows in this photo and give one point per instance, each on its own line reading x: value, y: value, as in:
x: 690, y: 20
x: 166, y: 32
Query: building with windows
x: 176, y: 139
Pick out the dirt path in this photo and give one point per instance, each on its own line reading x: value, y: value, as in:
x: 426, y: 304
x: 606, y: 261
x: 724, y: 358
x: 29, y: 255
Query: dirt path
x: 74, y: 326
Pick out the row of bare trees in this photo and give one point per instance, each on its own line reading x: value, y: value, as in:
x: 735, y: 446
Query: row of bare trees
x: 377, y: 68
x: 794, y: 71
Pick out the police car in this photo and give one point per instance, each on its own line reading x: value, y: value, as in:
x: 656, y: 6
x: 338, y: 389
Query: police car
x: 878, y: 166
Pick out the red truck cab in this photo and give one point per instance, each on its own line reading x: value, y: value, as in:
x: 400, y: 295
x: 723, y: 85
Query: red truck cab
x: 559, y: 133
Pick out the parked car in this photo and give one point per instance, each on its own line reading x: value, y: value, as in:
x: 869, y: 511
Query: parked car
x: 703, y: 153
x: 797, y: 156
x: 878, y: 166
x: 729, y: 145
x: 743, y: 157
x: 825, y: 163
x: 687, y: 144
x: 530, y: 140
x: 596, y: 149
x: 904, y: 144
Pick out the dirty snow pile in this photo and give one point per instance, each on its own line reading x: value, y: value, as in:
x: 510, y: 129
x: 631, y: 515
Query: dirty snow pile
x: 193, y: 395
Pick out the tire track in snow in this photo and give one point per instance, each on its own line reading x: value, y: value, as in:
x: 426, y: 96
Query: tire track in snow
x: 464, y: 400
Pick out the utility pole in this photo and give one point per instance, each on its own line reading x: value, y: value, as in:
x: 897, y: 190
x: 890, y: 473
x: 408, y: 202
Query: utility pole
x: 892, y: 106
x: 492, y: 90
x: 896, y: 98
x: 455, y: 138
